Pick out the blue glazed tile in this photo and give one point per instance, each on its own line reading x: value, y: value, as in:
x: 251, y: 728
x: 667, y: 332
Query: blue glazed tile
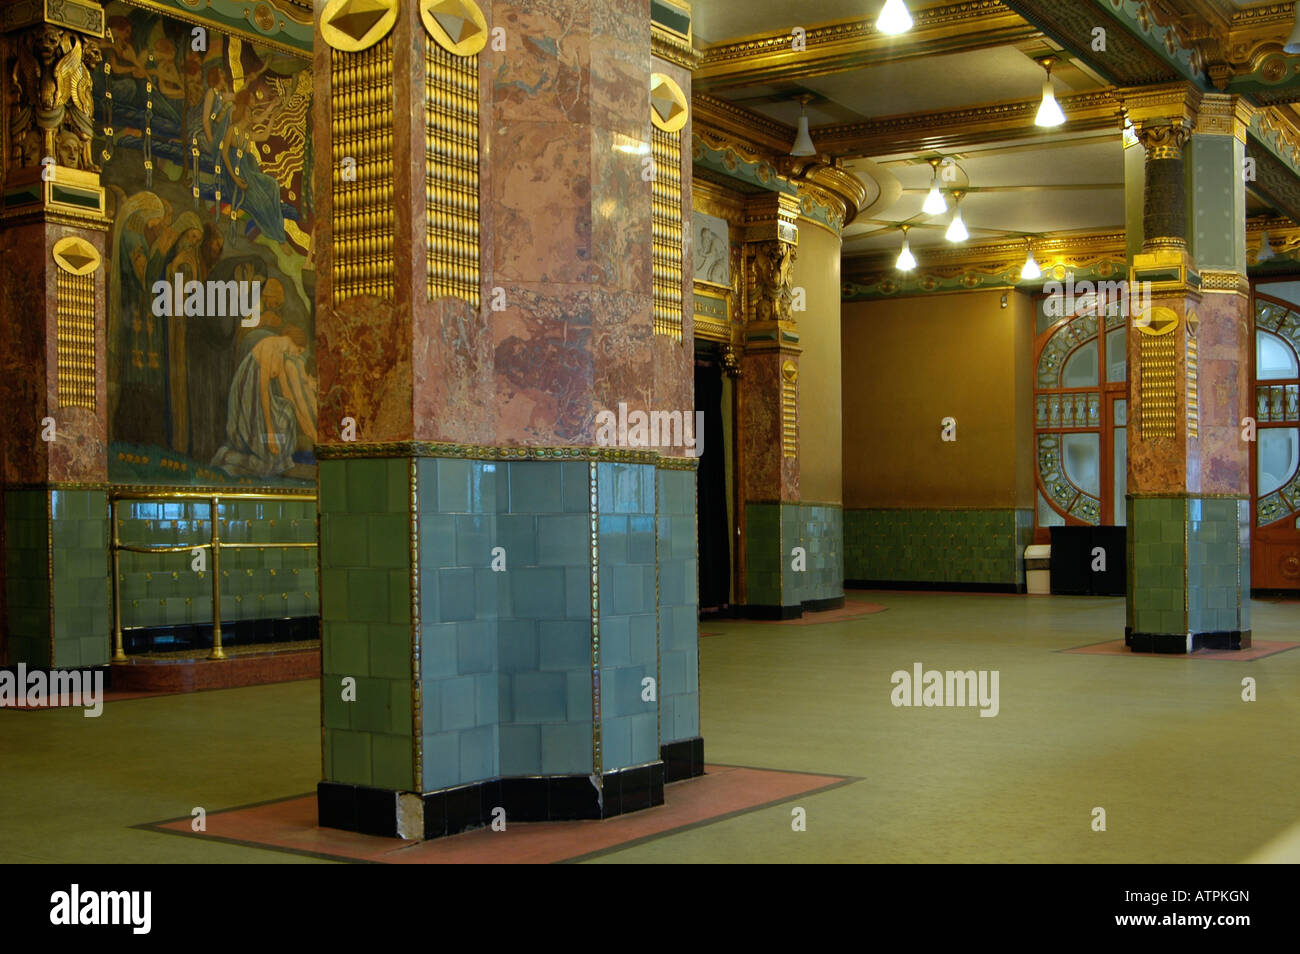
x: 476, y: 650
x: 453, y: 486
x: 521, y: 750
x: 456, y: 594
x: 456, y: 699
x: 441, y: 760
x: 567, y: 749
x: 535, y: 487
x: 478, y: 754
x: 563, y: 540
x: 565, y: 644
x: 539, y: 696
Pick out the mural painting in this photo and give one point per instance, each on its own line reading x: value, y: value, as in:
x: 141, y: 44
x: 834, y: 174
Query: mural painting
x: 208, y: 173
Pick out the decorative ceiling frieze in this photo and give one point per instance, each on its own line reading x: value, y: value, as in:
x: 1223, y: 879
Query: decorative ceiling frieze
x: 1088, y: 257
x: 852, y: 44
x: 1139, y: 49
x: 954, y: 129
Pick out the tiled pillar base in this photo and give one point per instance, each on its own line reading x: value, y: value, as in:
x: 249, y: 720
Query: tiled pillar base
x: 393, y: 814
x: 58, y: 596
x: 1189, y: 587
x: 518, y: 629
x: 774, y: 588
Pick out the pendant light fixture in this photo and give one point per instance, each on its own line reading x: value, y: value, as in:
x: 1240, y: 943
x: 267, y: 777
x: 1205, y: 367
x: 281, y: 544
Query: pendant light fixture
x: 894, y: 18
x: 1293, y: 41
x: 935, y: 204
x: 1030, y: 271
x: 1049, y: 111
x: 1265, y: 249
x: 906, y: 260
x: 956, y: 228
x: 803, y: 144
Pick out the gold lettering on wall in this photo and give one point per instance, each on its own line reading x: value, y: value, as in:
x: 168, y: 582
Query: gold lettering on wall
x: 667, y: 232
x: 451, y: 174
x: 361, y: 118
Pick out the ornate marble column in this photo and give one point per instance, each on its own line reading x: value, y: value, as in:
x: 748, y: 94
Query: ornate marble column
x: 768, y: 406
x: 54, y: 586
x: 504, y: 576
x: 1188, y: 364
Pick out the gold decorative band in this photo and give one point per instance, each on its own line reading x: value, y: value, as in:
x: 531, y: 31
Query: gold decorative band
x: 75, y: 346
x: 667, y: 233
x: 610, y: 455
x: 451, y: 186
x: 361, y: 118
x: 1225, y: 282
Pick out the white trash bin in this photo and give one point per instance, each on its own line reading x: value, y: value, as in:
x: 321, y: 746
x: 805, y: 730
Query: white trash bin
x: 1038, y: 572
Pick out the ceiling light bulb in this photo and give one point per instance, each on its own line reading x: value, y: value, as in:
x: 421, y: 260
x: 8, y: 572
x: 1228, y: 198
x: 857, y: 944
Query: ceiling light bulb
x: 1265, y: 249
x: 1049, y: 112
x: 935, y: 203
x: 906, y: 260
x: 894, y: 18
x: 1293, y: 41
x: 957, y: 228
x: 803, y: 144
x: 1030, y: 271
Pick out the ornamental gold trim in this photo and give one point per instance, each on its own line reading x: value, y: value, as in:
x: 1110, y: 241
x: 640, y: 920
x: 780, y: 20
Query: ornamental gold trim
x: 597, y: 758
x: 417, y: 649
x: 361, y: 117
x: 1158, y: 373
x: 457, y: 26
x: 1231, y: 282
x: 790, y: 409
x: 612, y: 455
x: 669, y: 109
x: 75, y: 330
x: 666, y: 233
x: 351, y: 26
x: 75, y: 255
x: 451, y: 183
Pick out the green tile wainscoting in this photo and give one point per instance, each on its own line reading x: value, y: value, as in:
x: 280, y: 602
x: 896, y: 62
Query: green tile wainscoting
x: 1189, y: 572
x: 974, y: 548
x: 772, y: 531
x: 163, y: 589
x: 498, y: 679
x: 58, y: 599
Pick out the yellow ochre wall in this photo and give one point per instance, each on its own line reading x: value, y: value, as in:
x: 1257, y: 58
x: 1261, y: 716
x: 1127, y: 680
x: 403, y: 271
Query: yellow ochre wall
x: 817, y: 271
x: 909, y: 363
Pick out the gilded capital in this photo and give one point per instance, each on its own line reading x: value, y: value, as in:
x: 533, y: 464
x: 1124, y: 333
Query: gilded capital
x: 1164, y: 140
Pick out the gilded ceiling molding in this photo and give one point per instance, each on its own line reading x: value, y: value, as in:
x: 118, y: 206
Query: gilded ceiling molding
x: 1136, y: 53
x: 1223, y: 114
x: 854, y: 43
x: 956, y: 129
x: 826, y: 186
x: 1278, y: 133
x: 717, y: 200
x: 1275, y: 178
x: 1098, y: 256
x: 667, y: 47
x: 747, y: 128
x: 712, y: 152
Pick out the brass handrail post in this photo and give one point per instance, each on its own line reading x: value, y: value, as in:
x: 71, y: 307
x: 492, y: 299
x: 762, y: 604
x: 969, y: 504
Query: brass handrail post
x: 119, y: 654
x: 217, y: 651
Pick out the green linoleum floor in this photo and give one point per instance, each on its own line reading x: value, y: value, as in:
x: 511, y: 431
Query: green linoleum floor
x: 1186, y: 771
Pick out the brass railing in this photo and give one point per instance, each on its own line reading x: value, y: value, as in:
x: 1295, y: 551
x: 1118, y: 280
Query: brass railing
x: 214, y: 546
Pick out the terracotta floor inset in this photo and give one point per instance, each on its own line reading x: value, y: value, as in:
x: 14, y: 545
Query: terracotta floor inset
x: 290, y: 824
x: 1259, y: 649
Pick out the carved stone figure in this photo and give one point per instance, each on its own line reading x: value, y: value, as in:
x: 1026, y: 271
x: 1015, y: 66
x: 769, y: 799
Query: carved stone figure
x: 772, y: 280
x: 53, y: 101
